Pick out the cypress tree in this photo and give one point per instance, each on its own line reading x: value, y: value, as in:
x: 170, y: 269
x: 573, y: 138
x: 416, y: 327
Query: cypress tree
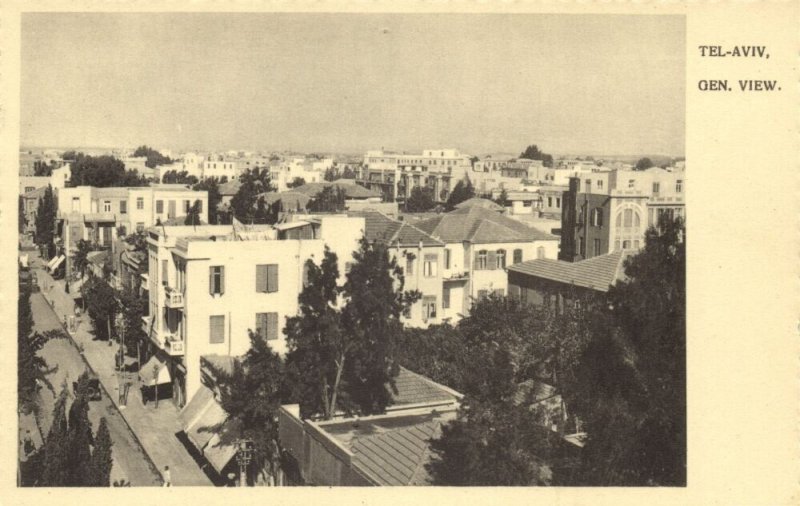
x: 55, y: 472
x: 101, y: 457
x: 80, y: 439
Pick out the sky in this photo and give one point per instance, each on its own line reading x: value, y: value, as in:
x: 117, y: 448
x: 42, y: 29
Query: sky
x: 578, y: 84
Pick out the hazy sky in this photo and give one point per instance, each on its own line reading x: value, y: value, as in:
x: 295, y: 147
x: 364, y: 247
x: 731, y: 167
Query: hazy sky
x: 347, y: 82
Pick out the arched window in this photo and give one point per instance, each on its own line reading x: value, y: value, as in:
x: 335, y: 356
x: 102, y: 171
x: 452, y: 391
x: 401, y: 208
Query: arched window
x: 597, y: 217
x: 619, y: 219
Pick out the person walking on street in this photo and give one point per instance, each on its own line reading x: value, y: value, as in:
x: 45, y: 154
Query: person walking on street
x: 27, y: 444
x: 167, y: 478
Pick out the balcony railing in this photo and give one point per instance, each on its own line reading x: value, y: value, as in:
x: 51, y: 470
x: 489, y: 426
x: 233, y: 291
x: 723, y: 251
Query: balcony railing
x: 173, y: 346
x: 174, y: 298
x: 146, y: 322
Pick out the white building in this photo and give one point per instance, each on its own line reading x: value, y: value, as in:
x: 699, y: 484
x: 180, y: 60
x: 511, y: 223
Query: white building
x: 209, y: 285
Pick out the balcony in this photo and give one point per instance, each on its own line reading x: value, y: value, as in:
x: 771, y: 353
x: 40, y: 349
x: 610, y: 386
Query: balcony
x: 173, y: 299
x: 457, y: 276
x: 146, y: 323
x: 173, y: 346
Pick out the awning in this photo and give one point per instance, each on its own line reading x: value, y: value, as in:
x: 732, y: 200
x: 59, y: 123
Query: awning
x: 218, y: 454
x: 203, y: 420
x: 206, y: 425
x: 196, y: 406
x: 52, y: 262
x: 75, y: 288
x: 57, y: 263
x: 148, y: 372
x: 290, y: 225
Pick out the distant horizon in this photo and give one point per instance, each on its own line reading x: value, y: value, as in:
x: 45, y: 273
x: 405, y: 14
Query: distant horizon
x: 346, y: 83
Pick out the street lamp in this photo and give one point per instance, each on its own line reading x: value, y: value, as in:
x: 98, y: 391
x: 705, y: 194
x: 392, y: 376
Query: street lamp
x: 244, y: 454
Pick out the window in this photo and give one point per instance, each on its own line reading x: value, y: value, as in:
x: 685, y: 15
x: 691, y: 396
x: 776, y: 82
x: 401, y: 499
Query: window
x: 626, y: 245
x: 186, y: 205
x: 558, y: 202
x: 581, y: 247
x: 428, y: 307
x: 76, y: 204
x: 123, y: 207
x: 216, y: 280
x: 409, y: 265
x: 517, y: 255
x: 216, y: 327
x: 445, y: 297
x: 599, y: 184
x: 597, y: 217
x: 631, y: 183
x: 588, y: 186
x: 139, y: 203
x: 679, y: 186
x: 540, y: 252
x: 267, y: 278
x: 446, y: 258
x: 549, y: 201
x: 267, y: 326
x: 199, y: 206
x: 597, y: 247
x: 164, y: 271
x: 106, y: 206
x: 482, y: 294
x: 616, y: 245
x: 481, y: 261
x: 159, y: 207
x: 140, y: 226
x: 501, y: 259
x: 429, y: 266
x: 656, y: 187
x: 628, y: 217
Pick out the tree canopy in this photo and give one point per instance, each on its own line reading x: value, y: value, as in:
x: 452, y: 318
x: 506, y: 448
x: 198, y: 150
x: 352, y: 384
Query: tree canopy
x: 532, y: 153
x: 248, y: 205
x: 462, y: 191
x: 46, y: 220
x: 154, y: 158
x: 211, y: 185
x: 103, y: 171
x: 421, y: 200
x: 175, y: 177
x: 330, y: 200
x: 643, y: 164
x: 32, y: 369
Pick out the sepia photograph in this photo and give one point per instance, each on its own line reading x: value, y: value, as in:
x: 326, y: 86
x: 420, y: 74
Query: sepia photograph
x: 352, y: 249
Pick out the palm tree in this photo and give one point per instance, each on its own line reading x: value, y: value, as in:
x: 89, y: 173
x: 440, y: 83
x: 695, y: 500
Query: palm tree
x: 81, y: 258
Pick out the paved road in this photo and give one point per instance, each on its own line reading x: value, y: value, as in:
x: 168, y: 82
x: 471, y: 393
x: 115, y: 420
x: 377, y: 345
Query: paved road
x: 130, y: 461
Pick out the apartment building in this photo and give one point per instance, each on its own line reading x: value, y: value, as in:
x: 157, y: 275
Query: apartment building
x: 98, y: 214
x: 611, y: 211
x: 397, y: 174
x: 479, y: 245
x: 209, y: 285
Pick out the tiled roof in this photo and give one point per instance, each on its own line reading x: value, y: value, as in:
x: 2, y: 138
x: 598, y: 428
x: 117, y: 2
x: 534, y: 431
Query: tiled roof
x: 229, y: 188
x: 36, y: 194
x: 98, y: 257
x: 379, y: 227
x: 351, y: 191
x: 597, y: 273
x: 479, y: 225
x: 415, y: 389
x: 290, y: 200
x: 477, y: 201
x: 397, y: 457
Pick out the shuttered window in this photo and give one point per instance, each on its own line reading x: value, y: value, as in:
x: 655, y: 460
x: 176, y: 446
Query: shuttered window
x: 480, y: 260
x: 159, y: 206
x: 517, y: 256
x: 216, y: 280
x: 267, y: 278
x: 267, y: 326
x: 445, y: 297
x: 164, y: 271
x: 428, y: 307
x: 123, y: 207
x: 492, y: 261
x: 446, y: 258
x: 216, y: 325
x: 409, y: 266
x: 430, y: 267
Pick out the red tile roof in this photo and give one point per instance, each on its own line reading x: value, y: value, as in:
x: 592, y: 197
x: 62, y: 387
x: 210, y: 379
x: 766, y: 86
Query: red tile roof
x: 480, y: 225
x: 597, y: 273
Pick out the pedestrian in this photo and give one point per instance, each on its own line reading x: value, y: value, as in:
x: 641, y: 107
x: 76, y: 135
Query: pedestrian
x: 27, y: 444
x: 167, y: 478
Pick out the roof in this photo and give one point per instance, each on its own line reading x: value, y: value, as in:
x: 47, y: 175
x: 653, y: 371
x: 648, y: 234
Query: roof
x: 351, y: 191
x: 289, y: 199
x: 229, y: 188
x: 413, y: 388
x: 597, y: 273
x: 379, y: 227
x: 477, y: 224
x: 36, y: 194
x: 477, y: 201
x: 98, y: 257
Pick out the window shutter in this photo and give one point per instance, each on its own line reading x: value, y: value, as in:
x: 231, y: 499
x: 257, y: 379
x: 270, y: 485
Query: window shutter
x: 445, y: 298
x: 217, y: 329
x: 211, y: 281
x: 476, y: 264
x: 261, y: 278
x: 446, y: 258
x: 492, y: 260
x: 222, y: 280
x: 272, y: 326
x: 272, y: 278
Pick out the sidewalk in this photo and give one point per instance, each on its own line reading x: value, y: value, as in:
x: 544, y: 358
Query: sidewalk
x: 156, y: 428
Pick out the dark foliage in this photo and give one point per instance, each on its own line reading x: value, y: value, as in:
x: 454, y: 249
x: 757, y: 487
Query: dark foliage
x: 101, y: 461
x: 421, y: 200
x: 462, y: 191
x: 330, y: 200
x: 294, y: 183
x: 32, y: 370
x: 154, y: 158
x: 248, y: 206
x: 532, y: 153
x: 211, y: 185
x: 46, y: 219
x: 103, y: 171
x: 175, y: 177
x: 643, y: 164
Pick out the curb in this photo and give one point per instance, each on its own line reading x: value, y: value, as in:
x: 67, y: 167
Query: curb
x: 153, y: 466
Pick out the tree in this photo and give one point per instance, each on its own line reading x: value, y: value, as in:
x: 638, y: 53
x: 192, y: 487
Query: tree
x: 182, y: 177
x: 632, y: 377
x: 211, y: 185
x: 55, y: 465
x: 502, y: 199
x: 102, y: 306
x: 81, y: 258
x: 79, y: 434
x: 462, y: 191
x: 154, y: 158
x: 46, y: 220
x: 251, y: 395
x: 101, y: 461
x: 32, y: 370
x: 375, y: 302
x: 532, y: 153
x: 193, y: 215
x: 244, y: 204
x: 330, y: 200
x: 436, y: 352
x: 294, y: 183
x: 421, y: 200
x: 318, y: 347
x: 643, y: 164
x: 21, y: 220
